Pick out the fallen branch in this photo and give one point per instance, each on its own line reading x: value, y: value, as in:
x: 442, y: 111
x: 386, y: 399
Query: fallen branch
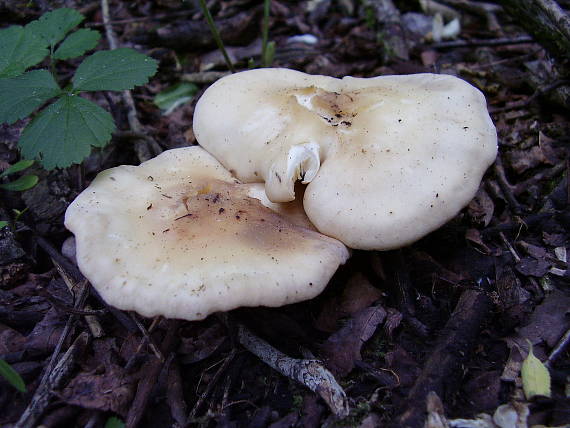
x: 546, y: 21
x: 50, y: 382
x: 310, y: 373
x: 151, y: 371
x: 482, y: 42
x: 450, y: 353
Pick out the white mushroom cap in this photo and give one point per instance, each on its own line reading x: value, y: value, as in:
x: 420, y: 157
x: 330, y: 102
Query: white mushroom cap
x: 389, y: 159
x: 178, y: 236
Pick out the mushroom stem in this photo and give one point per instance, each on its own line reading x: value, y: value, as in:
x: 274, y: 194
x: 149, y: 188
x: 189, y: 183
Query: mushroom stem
x: 298, y: 162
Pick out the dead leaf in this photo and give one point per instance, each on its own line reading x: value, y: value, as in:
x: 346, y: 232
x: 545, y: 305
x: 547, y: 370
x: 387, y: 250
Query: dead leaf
x: 358, y: 294
x: 481, y: 208
x: 535, y: 376
x: 548, y: 322
x: 198, y: 348
x: 109, y: 391
x: 342, y: 348
x: 533, y: 267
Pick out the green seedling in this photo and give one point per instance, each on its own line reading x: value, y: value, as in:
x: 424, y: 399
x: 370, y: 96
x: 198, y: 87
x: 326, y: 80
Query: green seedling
x: 64, y: 132
x: 114, y: 422
x: 267, y: 47
x: 175, y: 96
x: 25, y: 182
x: 12, y: 376
x: 216, y: 34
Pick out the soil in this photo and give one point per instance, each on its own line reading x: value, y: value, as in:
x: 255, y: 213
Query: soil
x: 431, y: 333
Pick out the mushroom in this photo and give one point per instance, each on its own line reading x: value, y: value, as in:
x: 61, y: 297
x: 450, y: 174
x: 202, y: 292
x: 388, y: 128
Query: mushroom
x: 386, y: 159
x: 179, y: 236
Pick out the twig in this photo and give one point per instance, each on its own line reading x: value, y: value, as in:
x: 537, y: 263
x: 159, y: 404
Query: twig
x: 147, y: 338
x: 506, y: 187
x: 77, y: 288
x: 310, y: 373
x: 151, y: 372
x: 51, y: 381
x: 72, y: 270
x: 559, y: 349
x: 156, y: 17
x: 526, y: 102
x: 204, y: 76
x: 216, y: 34
x: 175, y: 391
x: 202, y: 398
x: 144, y: 152
x: 482, y: 42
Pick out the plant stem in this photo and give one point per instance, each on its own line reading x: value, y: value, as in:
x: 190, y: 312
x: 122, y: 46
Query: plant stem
x: 216, y: 34
x: 265, y: 33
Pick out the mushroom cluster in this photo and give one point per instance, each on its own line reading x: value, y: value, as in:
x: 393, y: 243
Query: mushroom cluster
x: 203, y: 229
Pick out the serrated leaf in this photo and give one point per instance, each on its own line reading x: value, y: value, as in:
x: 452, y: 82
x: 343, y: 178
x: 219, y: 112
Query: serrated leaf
x: 3, y: 224
x: 64, y: 132
x: 535, y: 376
x: 115, y: 70
x: 17, y: 167
x: 19, y: 49
x: 23, y: 94
x: 23, y: 183
x: 54, y: 25
x: 12, y: 376
x: 175, y: 96
x: 114, y: 422
x: 76, y: 44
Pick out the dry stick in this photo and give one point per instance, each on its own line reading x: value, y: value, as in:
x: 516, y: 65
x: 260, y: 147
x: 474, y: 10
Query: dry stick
x: 50, y: 382
x: 506, y: 187
x: 536, y: 288
x: 204, y: 76
x: 144, y: 152
x: 210, y: 386
x: 310, y: 373
x: 78, y: 287
x: 526, y: 102
x: 451, y: 351
x: 559, y: 349
x: 151, y: 371
x: 482, y: 42
x: 74, y: 272
x: 175, y: 391
x: 147, y: 338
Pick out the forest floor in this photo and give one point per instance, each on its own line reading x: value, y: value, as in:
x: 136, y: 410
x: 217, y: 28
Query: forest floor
x: 441, y: 325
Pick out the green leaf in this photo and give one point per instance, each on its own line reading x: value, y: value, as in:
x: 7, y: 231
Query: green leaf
x: 11, y: 375
x: 53, y: 26
x: 3, y: 224
x: 76, y: 44
x: 535, y: 376
x: 23, y: 183
x: 175, y: 96
x: 17, y: 167
x: 64, y: 132
x: 115, y: 70
x: 19, y: 49
x: 114, y: 422
x: 23, y: 94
